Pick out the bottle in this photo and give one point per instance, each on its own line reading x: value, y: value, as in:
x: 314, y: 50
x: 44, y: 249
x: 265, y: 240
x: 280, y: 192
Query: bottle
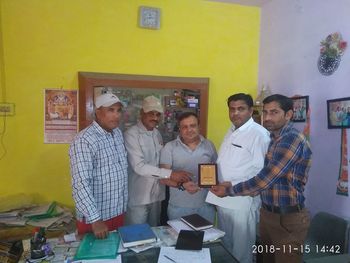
x: 37, y: 243
x: 264, y: 92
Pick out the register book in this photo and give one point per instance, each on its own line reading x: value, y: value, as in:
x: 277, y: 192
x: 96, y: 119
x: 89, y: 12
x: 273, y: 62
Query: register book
x: 197, y: 222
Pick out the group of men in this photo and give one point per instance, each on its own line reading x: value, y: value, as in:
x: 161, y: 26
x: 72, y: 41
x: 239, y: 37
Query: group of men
x: 262, y: 174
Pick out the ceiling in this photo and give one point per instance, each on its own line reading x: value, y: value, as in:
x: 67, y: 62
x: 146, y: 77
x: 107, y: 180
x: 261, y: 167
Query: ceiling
x: 244, y: 2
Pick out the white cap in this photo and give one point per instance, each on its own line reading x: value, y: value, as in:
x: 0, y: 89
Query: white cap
x: 106, y: 100
x: 152, y: 103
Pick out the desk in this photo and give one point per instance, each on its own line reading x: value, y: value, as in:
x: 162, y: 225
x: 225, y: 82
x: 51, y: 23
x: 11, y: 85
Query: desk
x: 217, y: 252
x: 336, y: 258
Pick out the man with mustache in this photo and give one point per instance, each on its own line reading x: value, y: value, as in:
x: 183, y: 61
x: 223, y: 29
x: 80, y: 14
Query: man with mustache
x: 284, y: 221
x: 185, y: 153
x: 241, y: 156
x: 99, y: 170
x: 143, y: 143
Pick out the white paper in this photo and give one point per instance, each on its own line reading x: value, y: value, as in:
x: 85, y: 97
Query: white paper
x: 143, y: 247
x: 166, y: 234
x: 37, y: 210
x: 9, y: 214
x: 230, y: 202
x: 178, y: 225
x: 70, y: 237
x: 121, y: 248
x: 13, y: 221
x: 172, y: 255
x: 210, y: 234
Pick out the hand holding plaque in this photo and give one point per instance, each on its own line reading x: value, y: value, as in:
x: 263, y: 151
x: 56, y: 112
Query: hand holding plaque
x: 207, y: 175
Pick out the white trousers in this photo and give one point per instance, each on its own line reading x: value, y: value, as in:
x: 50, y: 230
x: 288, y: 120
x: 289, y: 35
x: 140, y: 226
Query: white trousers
x: 141, y: 214
x: 240, y: 228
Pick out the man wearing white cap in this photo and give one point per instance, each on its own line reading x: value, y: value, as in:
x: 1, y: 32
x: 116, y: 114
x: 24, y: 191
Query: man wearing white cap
x: 143, y: 143
x: 98, y: 162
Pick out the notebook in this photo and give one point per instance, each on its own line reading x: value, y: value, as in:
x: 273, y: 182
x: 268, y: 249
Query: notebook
x: 138, y: 234
x: 190, y: 240
x: 197, y: 222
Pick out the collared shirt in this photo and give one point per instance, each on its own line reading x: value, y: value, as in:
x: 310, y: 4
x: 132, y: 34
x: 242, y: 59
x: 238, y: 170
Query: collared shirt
x: 241, y: 157
x: 99, y: 173
x: 242, y: 153
x: 282, y: 180
x: 143, y: 149
x: 180, y: 157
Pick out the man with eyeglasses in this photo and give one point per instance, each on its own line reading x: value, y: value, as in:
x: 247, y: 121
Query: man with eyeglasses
x: 240, y: 157
x: 143, y: 143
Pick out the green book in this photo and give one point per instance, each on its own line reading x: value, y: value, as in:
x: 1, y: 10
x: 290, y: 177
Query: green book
x: 93, y: 248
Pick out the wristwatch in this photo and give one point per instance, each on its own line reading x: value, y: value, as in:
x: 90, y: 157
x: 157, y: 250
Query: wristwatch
x: 181, y: 187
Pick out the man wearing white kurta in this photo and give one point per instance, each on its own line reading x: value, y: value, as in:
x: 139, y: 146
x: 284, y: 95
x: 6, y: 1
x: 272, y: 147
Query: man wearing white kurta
x: 143, y: 143
x: 241, y: 157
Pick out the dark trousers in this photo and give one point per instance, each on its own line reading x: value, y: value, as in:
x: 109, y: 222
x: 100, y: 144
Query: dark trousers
x: 282, y: 236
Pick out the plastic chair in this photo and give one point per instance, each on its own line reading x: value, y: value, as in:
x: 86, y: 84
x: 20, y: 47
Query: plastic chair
x: 327, y: 235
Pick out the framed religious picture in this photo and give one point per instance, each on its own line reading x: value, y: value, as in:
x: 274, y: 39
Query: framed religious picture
x: 207, y: 175
x: 338, y: 113
x: 300, y: 108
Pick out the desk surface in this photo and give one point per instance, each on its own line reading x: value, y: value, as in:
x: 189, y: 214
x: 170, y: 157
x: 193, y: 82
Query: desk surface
x: 336, y: 258
x: 218, y: 254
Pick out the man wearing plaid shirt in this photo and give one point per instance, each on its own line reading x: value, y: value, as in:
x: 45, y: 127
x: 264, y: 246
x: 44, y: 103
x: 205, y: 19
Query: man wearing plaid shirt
x: 283, y: 219
x: 99, y: 170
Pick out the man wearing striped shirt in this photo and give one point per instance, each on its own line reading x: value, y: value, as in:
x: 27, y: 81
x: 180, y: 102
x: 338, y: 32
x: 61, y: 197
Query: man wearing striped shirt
x: 99, y: 170
x: 283, y: 219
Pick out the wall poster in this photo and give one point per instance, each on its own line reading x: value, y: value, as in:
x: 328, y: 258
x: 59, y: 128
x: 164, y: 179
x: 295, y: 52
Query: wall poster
x: 300, y: 108
x: 338, y: 112
x: 61, y: 115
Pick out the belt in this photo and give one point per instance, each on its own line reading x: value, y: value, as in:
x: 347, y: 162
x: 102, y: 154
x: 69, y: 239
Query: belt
x: 284, y: 209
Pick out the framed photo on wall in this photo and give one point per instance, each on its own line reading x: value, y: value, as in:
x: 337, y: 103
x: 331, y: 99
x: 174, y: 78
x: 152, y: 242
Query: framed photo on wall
x: 338, y: 113
x: 300, y: 108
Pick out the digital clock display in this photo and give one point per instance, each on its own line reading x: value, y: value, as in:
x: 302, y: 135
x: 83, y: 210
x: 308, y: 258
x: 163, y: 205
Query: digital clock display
x: 304, y: 249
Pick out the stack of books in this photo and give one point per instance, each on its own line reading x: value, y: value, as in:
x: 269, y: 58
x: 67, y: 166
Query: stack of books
x: 196, y: 222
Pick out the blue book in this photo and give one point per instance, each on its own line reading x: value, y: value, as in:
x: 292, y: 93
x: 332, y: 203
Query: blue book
x: 138, y: 234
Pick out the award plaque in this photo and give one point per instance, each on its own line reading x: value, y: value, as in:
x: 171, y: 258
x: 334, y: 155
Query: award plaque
x: 207, y: 174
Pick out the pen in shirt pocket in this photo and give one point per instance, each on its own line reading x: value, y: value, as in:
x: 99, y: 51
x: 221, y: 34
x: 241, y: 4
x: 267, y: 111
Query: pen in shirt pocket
x: 236, y: 145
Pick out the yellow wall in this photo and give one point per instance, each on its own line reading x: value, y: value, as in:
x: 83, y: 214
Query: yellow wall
x: 47, y: 42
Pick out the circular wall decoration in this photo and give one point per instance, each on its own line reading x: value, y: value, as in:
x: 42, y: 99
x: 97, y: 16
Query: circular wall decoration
x: 328, y: 65
x: 332, y: 48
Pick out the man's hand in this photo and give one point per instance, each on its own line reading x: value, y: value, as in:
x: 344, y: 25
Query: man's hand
x: 191, y: 187
x: 180, y: 176
x: 100, y: 229
x: 168, y: 182
x: 221, y: 189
